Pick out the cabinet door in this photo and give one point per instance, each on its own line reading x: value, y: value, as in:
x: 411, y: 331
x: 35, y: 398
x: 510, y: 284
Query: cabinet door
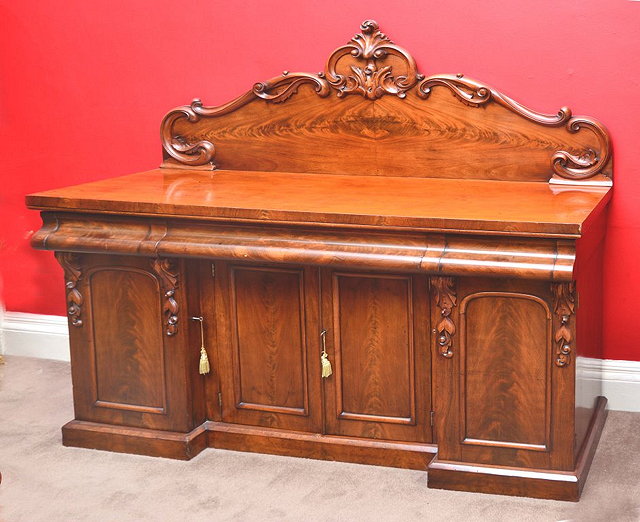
x: 268, y: 344
x: 377, y: 341
x: 501, y: 398
x: 133, y: 360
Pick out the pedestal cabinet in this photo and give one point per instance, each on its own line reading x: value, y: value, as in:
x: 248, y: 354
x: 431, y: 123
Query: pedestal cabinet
x: 354, y: 265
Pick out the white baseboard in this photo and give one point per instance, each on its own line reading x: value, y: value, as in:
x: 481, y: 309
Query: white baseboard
x: 35, y: 335
x: 620, y: 381
x: 47, y: 337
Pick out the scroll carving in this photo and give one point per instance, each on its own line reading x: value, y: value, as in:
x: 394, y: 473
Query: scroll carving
x: 444, y: 292
x: 168, y: 274
x: 71, y: 264
x: 281, y: 88
x: 564, y: 296
x: 203, y: 151
x: 564, y: 164
x: 364, y: 67
x: 369, y: 77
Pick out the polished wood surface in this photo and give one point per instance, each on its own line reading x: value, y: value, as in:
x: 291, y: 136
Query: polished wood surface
x: 268, y: 346
x: 506, y: 402
x: 126, y: 369
x: 371, y: 102
x: 519, y: 481
x: 444, y: 252
x: 379, y: 349
x: 486, y: 206
x: 366, y: 264
x: 130, y: 370
x: 505, y: 340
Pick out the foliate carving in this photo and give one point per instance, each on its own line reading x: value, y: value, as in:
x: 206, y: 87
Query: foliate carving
x: 443, y: 289
x: 70, y: 262
x: 364, y: 67
x: 564, y: 303
x: 370, y: 77
x: 168, y: 274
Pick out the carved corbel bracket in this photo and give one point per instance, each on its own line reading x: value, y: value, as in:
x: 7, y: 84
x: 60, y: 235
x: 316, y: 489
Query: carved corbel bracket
x: 71, y: 263
x: 167, y: 271
x: 564, y: 303
x: 444, y: 293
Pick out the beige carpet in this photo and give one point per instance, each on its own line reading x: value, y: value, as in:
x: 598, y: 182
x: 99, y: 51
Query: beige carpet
x: 42, y: 480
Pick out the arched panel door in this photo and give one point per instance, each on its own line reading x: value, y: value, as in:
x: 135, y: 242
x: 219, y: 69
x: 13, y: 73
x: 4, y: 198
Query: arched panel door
x: 133, y: 358
x: 501, y: 396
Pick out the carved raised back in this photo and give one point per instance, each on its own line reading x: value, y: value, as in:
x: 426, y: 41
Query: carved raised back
x: 372, y: 113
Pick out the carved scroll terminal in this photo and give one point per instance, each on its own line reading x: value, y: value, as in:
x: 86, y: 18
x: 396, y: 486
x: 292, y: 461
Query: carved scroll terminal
x: 168, y: 273
x: 564, y: 296
x: 70, y: 262
x: 444, y: 292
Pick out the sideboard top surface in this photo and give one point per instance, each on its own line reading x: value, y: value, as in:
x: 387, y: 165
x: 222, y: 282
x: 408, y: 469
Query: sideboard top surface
x: 483, y: 206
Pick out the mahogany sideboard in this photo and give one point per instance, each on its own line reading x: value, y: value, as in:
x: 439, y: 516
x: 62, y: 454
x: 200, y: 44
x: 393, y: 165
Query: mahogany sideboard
x: 365, y: 264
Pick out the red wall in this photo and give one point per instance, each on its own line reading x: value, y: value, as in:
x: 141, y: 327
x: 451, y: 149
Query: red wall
x: 85, y: 84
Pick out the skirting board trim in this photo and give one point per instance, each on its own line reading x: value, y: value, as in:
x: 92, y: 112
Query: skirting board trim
x: 47, y: 337
x: 35, y: 335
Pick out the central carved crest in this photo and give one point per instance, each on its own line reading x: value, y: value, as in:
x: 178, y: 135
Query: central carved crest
x: 373, y: 78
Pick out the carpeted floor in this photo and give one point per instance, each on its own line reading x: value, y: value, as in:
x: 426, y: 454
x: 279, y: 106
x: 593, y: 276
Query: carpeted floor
x: 42, y: 480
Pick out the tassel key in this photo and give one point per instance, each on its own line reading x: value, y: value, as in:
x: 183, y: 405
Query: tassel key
x: 205, y: 367
x: 326, y: 365
x: 324, y: 357
x: 204, y: 362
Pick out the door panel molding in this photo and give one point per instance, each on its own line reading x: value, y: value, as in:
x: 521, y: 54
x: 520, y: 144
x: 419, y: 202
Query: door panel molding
x: 518, y: 421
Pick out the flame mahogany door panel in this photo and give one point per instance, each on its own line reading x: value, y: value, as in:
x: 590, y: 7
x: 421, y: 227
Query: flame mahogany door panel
x: 267, y: 318
x: 501, y: 400
x: 130, y: 341
x: 378, y: 343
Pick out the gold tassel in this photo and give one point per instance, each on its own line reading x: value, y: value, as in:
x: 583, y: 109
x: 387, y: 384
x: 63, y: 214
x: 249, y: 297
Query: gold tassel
x: 204, y: 361
x: 326, y: 365
x: 204, y: 358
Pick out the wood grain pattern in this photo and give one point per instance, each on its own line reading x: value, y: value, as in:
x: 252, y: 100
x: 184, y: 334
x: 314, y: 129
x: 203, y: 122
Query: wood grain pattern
x: 125, y: 372
x: 379, y: 350
x: 440, y: 138
x: 450, y: 254
x: 140, y: 441
x: 130, y: 365
x: 510, y: 400
x: 324, y: 447
x: 505, y: 344
x: 299, y: 123
x: 432, y: 228
x: 523, y: 482
x: 268, y: 350
x: 513, y: 208
x: 374, y: 371
x: 268, y: 316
